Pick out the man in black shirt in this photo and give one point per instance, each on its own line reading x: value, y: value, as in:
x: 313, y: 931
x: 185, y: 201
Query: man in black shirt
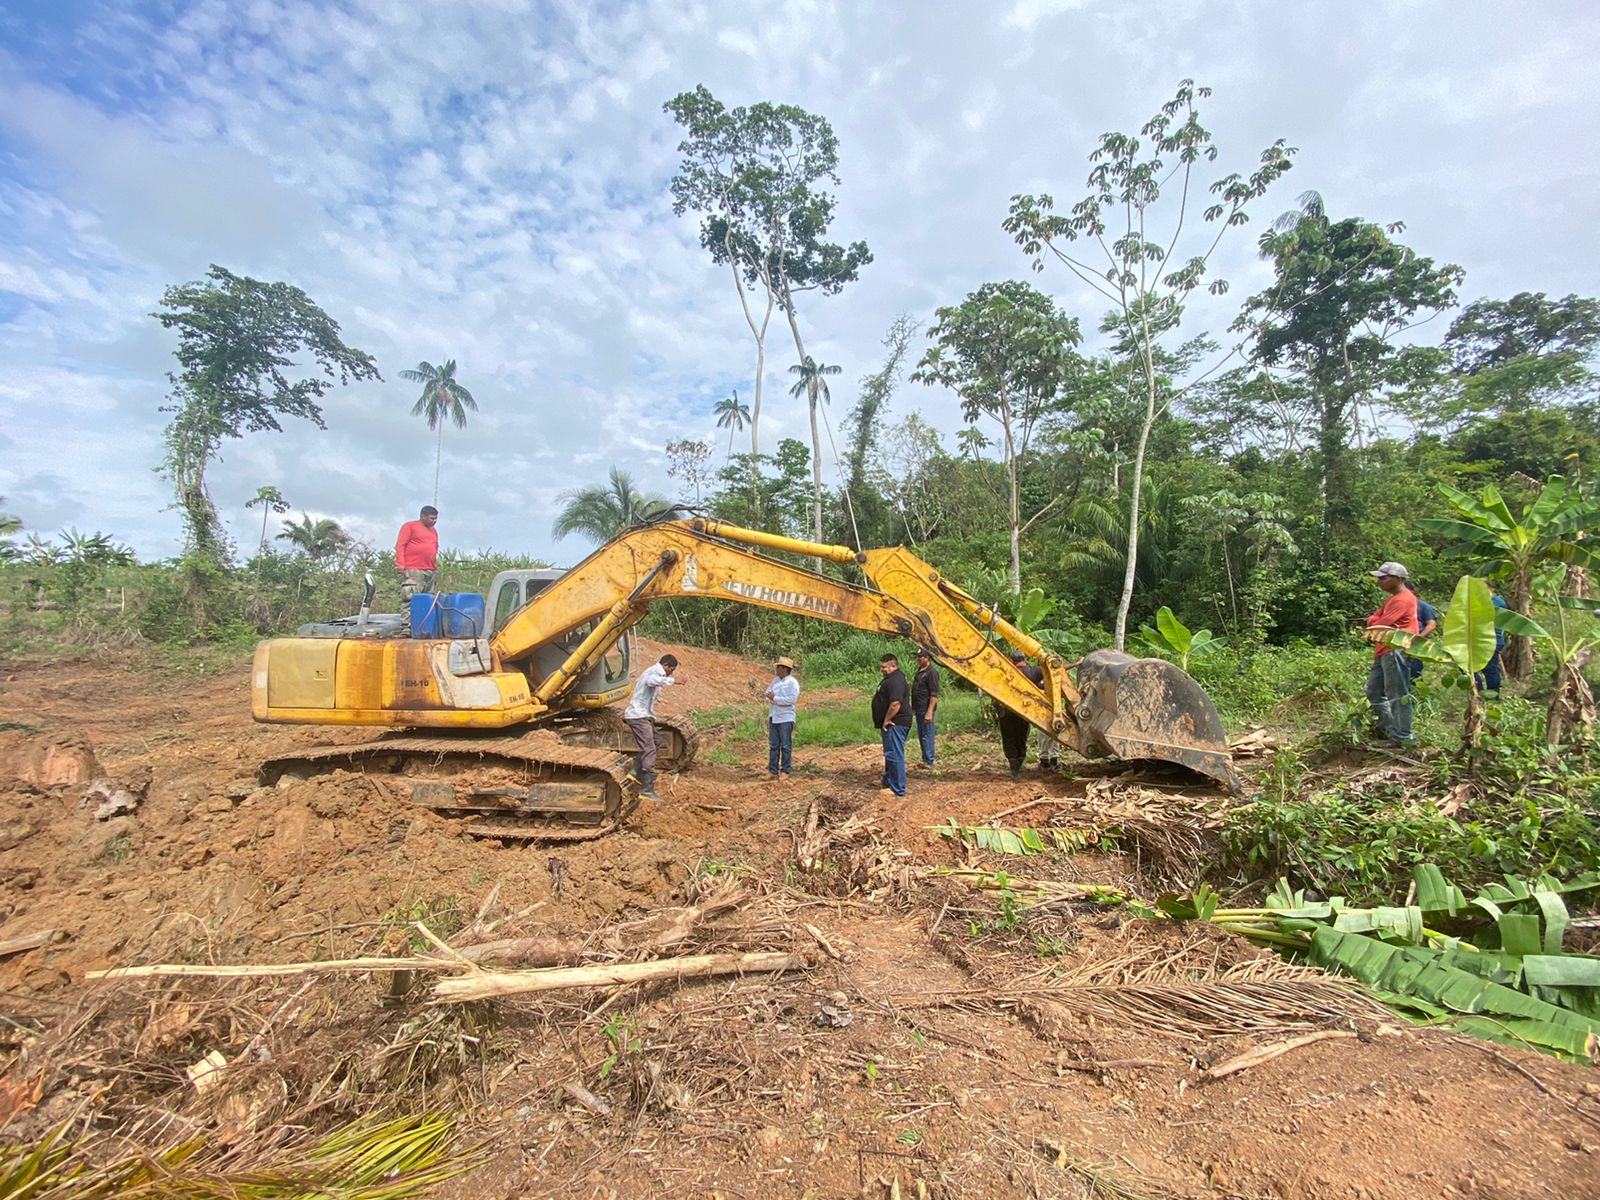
x: 924, y: 703
x: 891, y: 713
x: 1013, y: 726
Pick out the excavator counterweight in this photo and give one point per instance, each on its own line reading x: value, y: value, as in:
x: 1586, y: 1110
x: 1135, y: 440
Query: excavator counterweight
x: 529, y: 701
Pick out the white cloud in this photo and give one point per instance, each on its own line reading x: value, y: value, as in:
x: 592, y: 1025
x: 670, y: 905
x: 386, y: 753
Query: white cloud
x: 488, y: 182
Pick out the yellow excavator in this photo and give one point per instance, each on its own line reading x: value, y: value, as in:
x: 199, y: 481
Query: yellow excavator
x: 508, y: 725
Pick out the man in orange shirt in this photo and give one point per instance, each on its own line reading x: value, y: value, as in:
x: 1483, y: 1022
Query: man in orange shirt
x: 1389, y: 680
x: 416, y: 557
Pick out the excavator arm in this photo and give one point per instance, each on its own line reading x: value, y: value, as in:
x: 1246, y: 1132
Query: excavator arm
x: 1123, y: 707
x: 1119, y: 706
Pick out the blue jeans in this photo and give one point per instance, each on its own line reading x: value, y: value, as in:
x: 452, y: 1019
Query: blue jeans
x: 1389, y: 691
x: 894, y: 758
x: 1490, y: 679
x: 925, y: 738
x: 780, y: 746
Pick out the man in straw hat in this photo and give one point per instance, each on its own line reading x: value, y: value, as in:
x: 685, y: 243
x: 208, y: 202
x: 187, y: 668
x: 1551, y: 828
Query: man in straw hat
x: 783, y: 691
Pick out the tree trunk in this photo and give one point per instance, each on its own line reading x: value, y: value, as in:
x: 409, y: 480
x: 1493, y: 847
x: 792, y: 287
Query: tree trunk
x: 1517, y: 658
x: 262, y: 548
x: 816, y: 440
x: 438, y: 458
x: 1571, y: 699
x: 1473, y: 725
x: 1136, y: 486
x: 1016, y: 502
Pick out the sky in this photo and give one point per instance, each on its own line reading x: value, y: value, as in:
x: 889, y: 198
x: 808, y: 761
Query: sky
x: 488, y: 181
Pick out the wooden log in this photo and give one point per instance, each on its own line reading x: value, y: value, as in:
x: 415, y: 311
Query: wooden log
x: 263, y: 970
x: 28, y: 941
x: 484, y: 985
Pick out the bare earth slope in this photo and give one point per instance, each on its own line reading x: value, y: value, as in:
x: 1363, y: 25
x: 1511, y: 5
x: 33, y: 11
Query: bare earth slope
x: 933, y: 1042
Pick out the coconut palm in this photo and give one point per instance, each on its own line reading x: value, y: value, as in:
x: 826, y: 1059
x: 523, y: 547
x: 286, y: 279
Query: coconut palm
x: 9, y: 525
x: 813, y: 384
x: 441, y: 397
x: 731, y: 415
x: 604, y: 512
x: 317, y: 540
x: 268, y: 500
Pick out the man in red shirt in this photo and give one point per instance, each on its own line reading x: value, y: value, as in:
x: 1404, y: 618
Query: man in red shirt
x: 416, y: 556
x: 1389, y: 680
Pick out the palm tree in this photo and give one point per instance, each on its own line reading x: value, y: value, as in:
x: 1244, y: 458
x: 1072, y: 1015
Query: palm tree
x: 604, y: 512
x: 9, y: 525
x: 268, y: 500
x: 813, y: 383
x: 441, y: 397
x: 317, y: 540
x: 731, y: 415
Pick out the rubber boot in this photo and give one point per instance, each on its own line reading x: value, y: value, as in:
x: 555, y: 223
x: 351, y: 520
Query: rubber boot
x: 647, y: 785
x: 1016, y: 767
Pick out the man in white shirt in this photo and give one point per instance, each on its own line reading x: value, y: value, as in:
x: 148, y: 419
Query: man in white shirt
x: 640, y: 716
x: 783, y: 691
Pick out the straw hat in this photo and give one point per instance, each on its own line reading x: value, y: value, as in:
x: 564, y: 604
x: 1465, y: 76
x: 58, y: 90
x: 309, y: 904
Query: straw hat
x: 786, y: 662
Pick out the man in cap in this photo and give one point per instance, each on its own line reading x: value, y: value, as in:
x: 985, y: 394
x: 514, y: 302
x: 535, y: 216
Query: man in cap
x: 782, y: 692
x: 1389, y: 680
x: 924, y: 703
x: 1013, y: 726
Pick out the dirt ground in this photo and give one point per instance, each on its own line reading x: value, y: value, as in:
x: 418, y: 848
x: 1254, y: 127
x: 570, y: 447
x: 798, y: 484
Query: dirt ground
x: 933, y: 1044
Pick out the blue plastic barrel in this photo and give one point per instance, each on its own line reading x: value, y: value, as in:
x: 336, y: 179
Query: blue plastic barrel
x: 449, y: 615
x: 463, y: 615
x: 425, y: 615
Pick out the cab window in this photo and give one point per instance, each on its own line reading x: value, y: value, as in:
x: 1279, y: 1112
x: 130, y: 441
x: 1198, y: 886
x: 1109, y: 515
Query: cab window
x: 506, y: 603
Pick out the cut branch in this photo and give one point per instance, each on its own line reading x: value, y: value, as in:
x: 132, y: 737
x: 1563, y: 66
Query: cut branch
x: 486, y: 985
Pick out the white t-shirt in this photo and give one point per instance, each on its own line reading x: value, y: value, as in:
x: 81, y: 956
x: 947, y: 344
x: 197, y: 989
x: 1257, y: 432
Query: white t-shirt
x: 643, y: 704
x: 783, y: 693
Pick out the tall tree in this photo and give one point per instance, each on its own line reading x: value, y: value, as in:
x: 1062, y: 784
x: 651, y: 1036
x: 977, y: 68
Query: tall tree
x: 602, y: 512
x: 756, y: 176
x: 1007, y: 352
x: 865, y: 505
x: 732, y: 416
x: 239, y: 340
x: 1344, y: 292
x: 1131, y: 253
x: 1512, y: 355
x: 688, y: 459
x: 268, y: 500
x: 441, y: 397
x: 813, y: 385
x: 317, y: 540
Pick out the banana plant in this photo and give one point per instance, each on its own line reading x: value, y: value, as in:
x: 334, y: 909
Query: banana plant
x: 1464, y: 645
x: 1573, y: 641
x: 1171, y: 638
x: 1549, y: 531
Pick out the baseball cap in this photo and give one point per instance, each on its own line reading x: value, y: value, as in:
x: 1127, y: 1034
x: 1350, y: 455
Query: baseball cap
x: 1398, y: 570
x: 786, y: 662
x: 1018, y: 656
x: 924, y: 653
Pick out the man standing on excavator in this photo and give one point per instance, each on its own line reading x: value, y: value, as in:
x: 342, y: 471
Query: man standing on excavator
x: 640, y: 716
x: 416, y: 557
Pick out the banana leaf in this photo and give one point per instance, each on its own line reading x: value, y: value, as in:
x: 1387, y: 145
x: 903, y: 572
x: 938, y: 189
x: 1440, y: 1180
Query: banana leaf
x: 1436, y: 894
x: 1562, y: 1041
x: 1419, y: 972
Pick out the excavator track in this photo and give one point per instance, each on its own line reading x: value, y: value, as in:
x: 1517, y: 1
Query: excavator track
x: 532, y: 786
x: 677, y: 739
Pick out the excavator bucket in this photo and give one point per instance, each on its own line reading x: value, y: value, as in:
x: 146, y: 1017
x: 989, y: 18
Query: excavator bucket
x: 1146, y: 708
